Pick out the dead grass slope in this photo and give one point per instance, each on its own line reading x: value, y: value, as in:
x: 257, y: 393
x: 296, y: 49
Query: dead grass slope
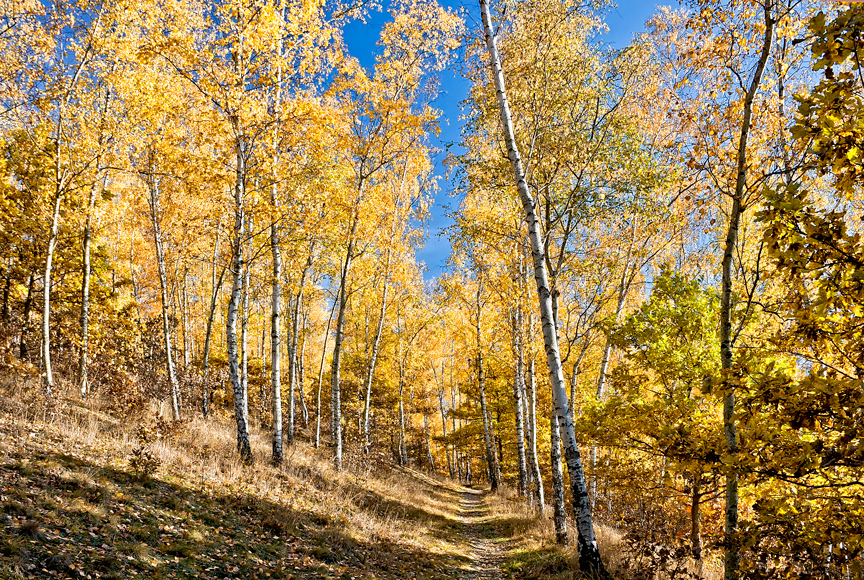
x: 71, y: 506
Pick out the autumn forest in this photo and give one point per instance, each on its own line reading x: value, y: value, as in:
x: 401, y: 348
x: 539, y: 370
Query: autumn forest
x: 643, y: 359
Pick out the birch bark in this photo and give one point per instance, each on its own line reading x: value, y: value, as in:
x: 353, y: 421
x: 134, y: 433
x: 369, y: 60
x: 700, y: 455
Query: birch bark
x: 275, y: 311
x: 532, y: 439
x: 237, y: 266
x: 155, y: 211
x: 589, y: 555
x: 517, y: 402
x: 276, y: 289
x: 560, y: 511
x: 374, y: 356
x: 487, y: 436
x: 292, y: 349
x: 83, y: 355
x: 321, y: 377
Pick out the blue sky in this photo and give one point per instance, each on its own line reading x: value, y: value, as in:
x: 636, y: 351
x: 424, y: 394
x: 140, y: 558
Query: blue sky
x: 623, y: 21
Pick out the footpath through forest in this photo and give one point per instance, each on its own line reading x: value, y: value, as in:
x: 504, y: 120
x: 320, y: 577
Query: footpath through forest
x: 86, y: 495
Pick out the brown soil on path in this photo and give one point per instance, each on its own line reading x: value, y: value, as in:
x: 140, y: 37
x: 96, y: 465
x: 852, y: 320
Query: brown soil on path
x: 483, y: 545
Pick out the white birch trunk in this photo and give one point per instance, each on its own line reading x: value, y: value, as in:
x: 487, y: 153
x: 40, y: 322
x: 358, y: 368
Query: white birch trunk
x: 532, y: 439
x: 244, y: 327
x: 335, y: 391
x: 560, y: 512
x: 301, y: 357
x: 237, y: 266
x: 518, y: 403
x: 275, y: 311
x: 292, y: 349
x: 321, y: 377
x: 487, y: 436
x: 46, y: 295
x: 589, y: 555
x: 155, y: 211
x: 374, y: 357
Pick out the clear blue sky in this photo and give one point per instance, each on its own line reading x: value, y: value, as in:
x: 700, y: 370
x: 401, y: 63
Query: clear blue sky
x: 623, y: 21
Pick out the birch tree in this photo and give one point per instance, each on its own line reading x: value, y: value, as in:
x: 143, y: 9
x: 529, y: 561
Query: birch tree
x: 589, y: 555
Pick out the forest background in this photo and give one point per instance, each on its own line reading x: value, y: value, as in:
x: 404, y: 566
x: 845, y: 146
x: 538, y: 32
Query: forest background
x: 218, y: 207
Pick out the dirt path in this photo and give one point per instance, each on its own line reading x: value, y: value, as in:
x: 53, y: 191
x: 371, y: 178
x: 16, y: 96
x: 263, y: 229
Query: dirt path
x: 479, y: 534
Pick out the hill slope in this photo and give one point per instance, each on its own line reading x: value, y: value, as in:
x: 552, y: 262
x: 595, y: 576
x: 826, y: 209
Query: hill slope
x: 77, y: 502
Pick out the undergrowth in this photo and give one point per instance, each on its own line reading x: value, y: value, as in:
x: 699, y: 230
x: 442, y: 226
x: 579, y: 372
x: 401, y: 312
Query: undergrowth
x: 89, y: 495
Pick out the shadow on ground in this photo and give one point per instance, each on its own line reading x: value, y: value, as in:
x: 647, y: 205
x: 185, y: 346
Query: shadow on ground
x: 64, y: 516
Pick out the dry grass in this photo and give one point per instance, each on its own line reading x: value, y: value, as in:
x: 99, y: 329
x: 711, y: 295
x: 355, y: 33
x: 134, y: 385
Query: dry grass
x: 391, y: 523
x: 535, y: 555
x: 396, y: 523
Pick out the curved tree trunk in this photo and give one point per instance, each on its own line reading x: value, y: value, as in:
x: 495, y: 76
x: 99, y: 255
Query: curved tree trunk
x: 589, y: 555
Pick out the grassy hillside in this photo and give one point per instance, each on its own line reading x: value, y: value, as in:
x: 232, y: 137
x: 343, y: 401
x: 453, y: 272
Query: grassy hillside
x: 77, y: 503
x: 84, y: 494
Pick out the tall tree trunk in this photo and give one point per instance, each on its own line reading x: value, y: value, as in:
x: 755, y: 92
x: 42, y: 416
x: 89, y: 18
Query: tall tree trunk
x: 731, y: 557
x: 557, y: 481
x: 335, y: 393
x: 529, y: 480
x: 214, y: 298
x: 321, y: 377
x: 217, y: 286
x: 275, y: 308
x: 623, y: 290
x: 532, y: 439
x: 276, y: 292
x: 83, y: 383
x: 187, y: 344
x: 374, y: 357
x: 83, y: 354
x: 487, y: 435
x: 403, y: 443
x: 589, y: 555
x: 244, y: 325
x: 23, y: 351
x: 155, y: 215
x: 237, y: 266
x: 444, y: 428
x: 517, y: 402
x: 46, y: 294
x: 301, y: 357
x: 292, y: 349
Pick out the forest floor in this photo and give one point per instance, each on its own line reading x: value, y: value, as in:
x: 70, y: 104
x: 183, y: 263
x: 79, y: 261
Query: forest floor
x: 76, y: 501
